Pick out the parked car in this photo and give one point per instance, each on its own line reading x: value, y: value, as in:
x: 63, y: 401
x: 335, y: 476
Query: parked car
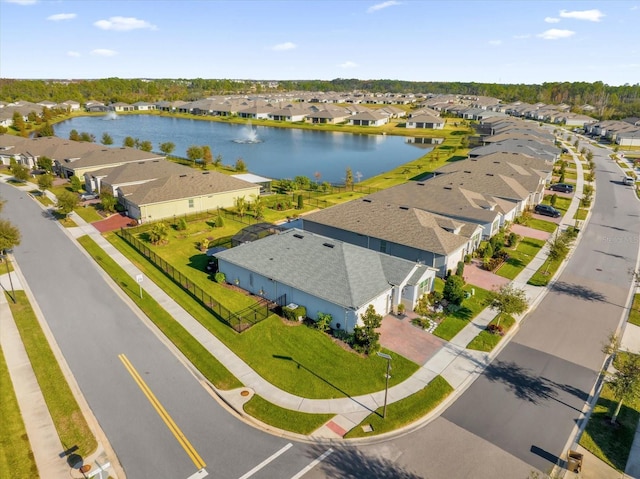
x: 547, y: 210
x: 561, y: 187
x: 88, y: 196
x: 629, y: 181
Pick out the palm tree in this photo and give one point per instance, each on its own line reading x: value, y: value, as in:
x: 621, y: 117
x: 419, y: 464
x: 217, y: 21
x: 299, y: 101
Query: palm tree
x: 241, y: 205
x: 258, y: 206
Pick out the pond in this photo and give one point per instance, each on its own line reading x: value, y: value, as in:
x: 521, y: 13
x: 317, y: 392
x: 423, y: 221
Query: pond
x: 267, y: 151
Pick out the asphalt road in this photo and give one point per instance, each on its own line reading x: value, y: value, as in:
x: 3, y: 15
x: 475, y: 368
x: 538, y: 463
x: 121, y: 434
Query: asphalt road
x: 93, y: 325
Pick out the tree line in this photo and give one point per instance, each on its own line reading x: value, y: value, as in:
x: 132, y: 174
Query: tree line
x: 611, y: 102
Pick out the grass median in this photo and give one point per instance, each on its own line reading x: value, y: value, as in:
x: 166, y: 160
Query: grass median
x: 287, y: 419
x: 16, y: 459
x: 404, y: 412
x: 67, y: 417
x: 486, y: 341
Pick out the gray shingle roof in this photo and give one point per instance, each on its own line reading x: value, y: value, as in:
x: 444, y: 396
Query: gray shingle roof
x: 393, y: 223
x: 342, y: 273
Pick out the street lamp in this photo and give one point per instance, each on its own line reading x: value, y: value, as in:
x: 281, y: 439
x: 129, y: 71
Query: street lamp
x: 386, y: 389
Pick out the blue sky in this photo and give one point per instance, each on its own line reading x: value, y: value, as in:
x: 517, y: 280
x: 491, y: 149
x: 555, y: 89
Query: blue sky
x: 506, y: 41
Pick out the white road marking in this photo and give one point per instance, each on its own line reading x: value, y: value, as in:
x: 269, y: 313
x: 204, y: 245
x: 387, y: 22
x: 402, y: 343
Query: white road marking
x: 313, y: 464
x: 267, y: 461
x: 198, y: 475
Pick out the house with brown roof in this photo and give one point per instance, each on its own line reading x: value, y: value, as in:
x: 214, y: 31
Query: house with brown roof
x: 185, y: 193
x: 426, y: 121
x: 333, y: 115
x: 398, y: 230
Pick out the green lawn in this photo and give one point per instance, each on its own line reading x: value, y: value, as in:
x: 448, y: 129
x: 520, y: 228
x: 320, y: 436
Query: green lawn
x: 486, y: 341
x: 607, y: 442
x: 541, y: 225
x: 88, y: 213
x: 453, y: 323
x: 581, y: 214
x: 16, y: 458
x: 65, y: 412
x: 545, y: 273
x: 634, y: 314
x: 525, y: 251
x: 287, y: 419
x: 405, y: 411
x: 293, y: 357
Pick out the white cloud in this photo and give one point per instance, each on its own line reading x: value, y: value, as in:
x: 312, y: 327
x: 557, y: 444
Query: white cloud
x: 380, y: 6
x: 61, y: 16
x: 520, y: 37
x: 589, y: 15
x: 103, y: 52
x: 123, y: 24
x: 280, y: 47
x: 495, y: 43
x: 551, y: 20
x: 22, y: 2
x: 555, y: 34
x: 73, y: 54
x: 349, y: 64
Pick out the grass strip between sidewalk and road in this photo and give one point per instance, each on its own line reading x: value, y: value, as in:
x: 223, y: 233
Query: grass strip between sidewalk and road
x: 208, y: 365
x: 611, y: 443
x: 67, y: 417
x: 634, y: 313
x: 486, y: 341
x: 281, y: 418
x: 16, y: 459
x: 545, y: 273
x: 404, y: 412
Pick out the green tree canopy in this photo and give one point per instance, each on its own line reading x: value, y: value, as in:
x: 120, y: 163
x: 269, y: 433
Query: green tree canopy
x: 67, y: 201
x: 454, y: 290
x: 9, y: 235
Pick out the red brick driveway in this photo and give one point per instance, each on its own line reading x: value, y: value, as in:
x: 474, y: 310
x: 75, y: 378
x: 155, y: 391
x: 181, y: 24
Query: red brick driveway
x: 113, y: 222
x: 405, y: 339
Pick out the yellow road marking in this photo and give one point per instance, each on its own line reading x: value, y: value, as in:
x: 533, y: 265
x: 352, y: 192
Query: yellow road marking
x: 184, y: 442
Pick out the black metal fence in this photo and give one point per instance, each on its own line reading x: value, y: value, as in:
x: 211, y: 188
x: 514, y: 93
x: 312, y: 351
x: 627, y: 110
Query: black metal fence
x: 239, y: 321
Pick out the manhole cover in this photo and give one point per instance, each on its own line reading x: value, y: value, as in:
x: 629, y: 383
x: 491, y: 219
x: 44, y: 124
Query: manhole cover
x: 244, y: 393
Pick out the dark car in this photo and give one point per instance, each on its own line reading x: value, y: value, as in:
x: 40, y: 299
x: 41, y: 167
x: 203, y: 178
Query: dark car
x: 562, y: 187
x: 547, y: 210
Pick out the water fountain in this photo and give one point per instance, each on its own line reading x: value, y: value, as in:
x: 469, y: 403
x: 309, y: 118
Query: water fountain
x: 250, y: 135
x: 112, y: 115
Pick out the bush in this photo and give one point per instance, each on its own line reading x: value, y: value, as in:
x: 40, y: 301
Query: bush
x: 513, y: 239
x: 460, y: 269
x: 182, y: 224
x: 467, y: 258
x: 453, y: 290
x: 294, y: 314
x: 323, y: 322
x: 496, y: 329
x: 219, y: 277
x: 219, y: 222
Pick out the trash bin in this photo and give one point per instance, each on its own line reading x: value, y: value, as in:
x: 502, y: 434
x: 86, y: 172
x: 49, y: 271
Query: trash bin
x: 574, y: 461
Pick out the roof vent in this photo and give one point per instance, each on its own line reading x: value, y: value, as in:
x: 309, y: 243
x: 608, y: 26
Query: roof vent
x: 299, y: 236
x: 404, y: 208
x: 205, y: 172
x: 489, y: 174
x: 467, y: 171
x: 183, y: 176
x: 366, y: 200
x: 420, y: 184
x: 448, y: 188
x: 328, y: 245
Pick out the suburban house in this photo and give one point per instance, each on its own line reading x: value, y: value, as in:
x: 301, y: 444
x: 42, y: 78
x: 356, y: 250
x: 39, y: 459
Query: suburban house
x: 368, y: 118
x: 398, y: 230
x: 289, y: 113
x: 330, y: 116
x: 508, y: 176
x: 425, y: 121
x: 454, y: 202
x: 325, y: 275
x: 527, y: 146
x: 186, y: 193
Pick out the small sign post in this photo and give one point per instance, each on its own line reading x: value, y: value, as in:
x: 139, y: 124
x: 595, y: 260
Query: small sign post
x: 139, y: 278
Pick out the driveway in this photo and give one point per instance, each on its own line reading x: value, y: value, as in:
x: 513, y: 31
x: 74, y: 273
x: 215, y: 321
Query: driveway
x: 112, y: 223
x: 402, y: 337
x: 474, y: 274
x: 527, y: 232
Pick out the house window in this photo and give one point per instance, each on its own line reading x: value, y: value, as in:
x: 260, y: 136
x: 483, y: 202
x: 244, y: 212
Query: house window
x: 425, y: 286
x: 191, y: 203
x: 383, y: 246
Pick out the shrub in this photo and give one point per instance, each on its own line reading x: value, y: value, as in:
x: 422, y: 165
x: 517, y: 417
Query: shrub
x: 467, y: 258
x: 496, y: 329
x: 181, y: 225
x: 219, y: 222
x: 323, y: 322
x: 294, y: 314
x: 513, y: 239
x: 219, y: 277
x: 453, y: 290
x: 300, y: 202
x: 460, y: 269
